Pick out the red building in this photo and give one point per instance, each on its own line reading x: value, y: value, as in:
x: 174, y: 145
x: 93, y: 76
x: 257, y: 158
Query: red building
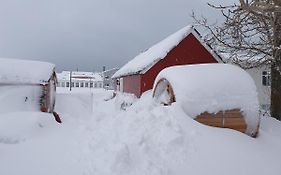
x: 183, y: 47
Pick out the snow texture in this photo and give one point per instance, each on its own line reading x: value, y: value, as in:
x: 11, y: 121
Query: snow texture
x: 14, y: 71
x: 19, y: 98
x: 213, y: 88
x: 154, y: 54
x: 97, y: 137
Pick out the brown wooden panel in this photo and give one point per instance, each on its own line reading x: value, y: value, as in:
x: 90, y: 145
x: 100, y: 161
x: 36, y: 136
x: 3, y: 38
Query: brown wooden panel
x: 237, y: 123
x: 232, y: 119
x: 209, y: 120
x: 219, y: 114
x: 233, y: 113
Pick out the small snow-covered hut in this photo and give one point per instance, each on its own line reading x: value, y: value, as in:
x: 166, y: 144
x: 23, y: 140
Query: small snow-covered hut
x: 219, y: 95
x: 28, y: 85
x: 181, y: 48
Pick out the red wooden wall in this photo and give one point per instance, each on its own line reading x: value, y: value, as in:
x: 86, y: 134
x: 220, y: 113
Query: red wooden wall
x: 132, y: 84
x: 189, y: 51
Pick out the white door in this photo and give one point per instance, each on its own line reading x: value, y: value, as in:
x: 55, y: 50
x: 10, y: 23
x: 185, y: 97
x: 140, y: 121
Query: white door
x: 121, y: 85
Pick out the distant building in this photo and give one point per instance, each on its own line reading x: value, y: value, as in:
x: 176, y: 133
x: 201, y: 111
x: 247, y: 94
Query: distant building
x: 80, y: 80
x: 108, y: 82
x: 261, y: 76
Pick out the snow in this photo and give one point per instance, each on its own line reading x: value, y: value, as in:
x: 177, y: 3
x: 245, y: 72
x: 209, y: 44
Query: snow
x: 19, y: 98
x: 14, y: 71
x: 213, y: 88
x: 151, y: 56
x: 97, y: 137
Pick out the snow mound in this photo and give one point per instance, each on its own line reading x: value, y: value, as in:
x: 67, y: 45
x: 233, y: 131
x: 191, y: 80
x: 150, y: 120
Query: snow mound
x: 213, y: 88
x: 146, y: 138
x: 14, y: 71
x: 17, y: 127
x: 124, y: 100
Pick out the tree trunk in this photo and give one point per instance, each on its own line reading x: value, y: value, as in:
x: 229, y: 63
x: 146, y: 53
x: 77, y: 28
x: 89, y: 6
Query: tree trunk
x: 276, y: 90
x: 276, y: 68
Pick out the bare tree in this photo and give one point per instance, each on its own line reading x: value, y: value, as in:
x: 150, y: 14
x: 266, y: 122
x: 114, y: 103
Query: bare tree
x: 251, y: 36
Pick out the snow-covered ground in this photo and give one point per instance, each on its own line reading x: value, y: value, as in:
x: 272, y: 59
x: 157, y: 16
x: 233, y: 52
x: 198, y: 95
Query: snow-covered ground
x: 97, y: 137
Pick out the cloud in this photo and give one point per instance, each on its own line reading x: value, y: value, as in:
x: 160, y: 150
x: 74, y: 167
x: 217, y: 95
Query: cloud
x: 89, y: 33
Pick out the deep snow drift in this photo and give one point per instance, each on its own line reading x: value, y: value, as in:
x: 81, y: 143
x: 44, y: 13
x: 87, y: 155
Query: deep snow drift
x: 99, y: 137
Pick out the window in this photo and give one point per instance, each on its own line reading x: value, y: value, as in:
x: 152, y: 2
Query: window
x: 91, y: 84
x: 72, y: 84
x: 266, y: 78
x: 67, y: 84
x: 77, y: 84
x: 95, y: 85
x: 100, y: 85
x: 82, y: 84
x: 62, y: 84
x: 86, y: 84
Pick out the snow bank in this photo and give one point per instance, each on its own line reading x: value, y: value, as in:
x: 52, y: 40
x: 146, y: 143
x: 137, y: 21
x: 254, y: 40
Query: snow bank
x: 213, y: 88
x: 153, y: 54
x: 18, y: 127
x: 13, y: 71
x: 147, y: 138
x: 124, y: 100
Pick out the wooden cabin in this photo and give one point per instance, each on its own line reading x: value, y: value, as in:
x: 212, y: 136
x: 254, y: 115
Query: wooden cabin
x: 218, y: 95
x: 181, y: 48
x: 30, y: 85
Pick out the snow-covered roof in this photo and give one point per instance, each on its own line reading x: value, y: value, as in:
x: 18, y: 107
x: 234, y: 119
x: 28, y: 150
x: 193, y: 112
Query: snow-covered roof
x: 65, y: 75
x: 13, y: 71
x: 147, y: 59
x: 213, y: 88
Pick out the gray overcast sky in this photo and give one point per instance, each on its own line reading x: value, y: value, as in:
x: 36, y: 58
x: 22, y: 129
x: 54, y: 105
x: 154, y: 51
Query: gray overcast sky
x: 91, y: 33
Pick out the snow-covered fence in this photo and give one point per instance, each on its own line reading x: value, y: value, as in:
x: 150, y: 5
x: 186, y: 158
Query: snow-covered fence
x: 218, y: 95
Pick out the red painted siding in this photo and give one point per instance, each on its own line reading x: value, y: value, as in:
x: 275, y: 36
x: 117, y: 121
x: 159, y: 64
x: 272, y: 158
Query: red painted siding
x: 132, y: 84
x: 189, y: 51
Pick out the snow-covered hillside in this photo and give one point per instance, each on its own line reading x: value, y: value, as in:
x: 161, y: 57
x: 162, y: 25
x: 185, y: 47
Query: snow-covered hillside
x: 98, y: 137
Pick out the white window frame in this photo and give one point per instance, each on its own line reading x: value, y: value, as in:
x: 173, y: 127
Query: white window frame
x: 266, y: 78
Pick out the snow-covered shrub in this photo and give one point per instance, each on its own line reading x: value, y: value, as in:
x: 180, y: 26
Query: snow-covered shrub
x: 124, y: 100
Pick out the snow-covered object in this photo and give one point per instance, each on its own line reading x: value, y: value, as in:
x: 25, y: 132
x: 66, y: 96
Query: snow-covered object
x: 124, y: 100
x: 151, y: 56
x: 19, y: 98
x: 141, y: 140
x: 211, y: 88
x: 13, y: 71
